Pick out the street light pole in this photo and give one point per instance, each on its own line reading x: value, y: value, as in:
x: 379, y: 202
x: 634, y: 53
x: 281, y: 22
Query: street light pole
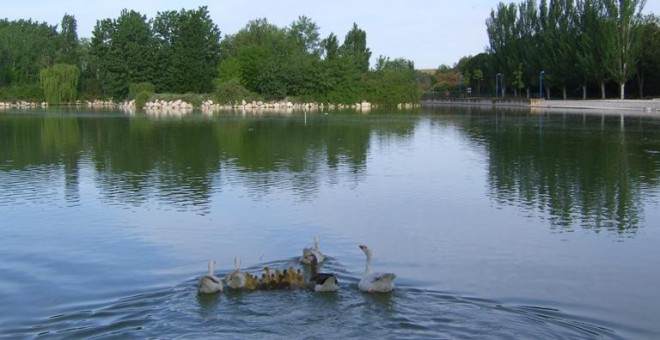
x: 497, y: 83
x: 541, y: 84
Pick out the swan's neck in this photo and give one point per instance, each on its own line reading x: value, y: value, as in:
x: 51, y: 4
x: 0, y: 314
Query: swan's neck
x: 367, y: 268
x: 211, y: 265
x: 316, y: 243
x: 237, y: 263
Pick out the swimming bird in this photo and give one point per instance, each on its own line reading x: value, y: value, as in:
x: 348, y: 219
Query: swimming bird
x: 321, y: 282
x: 307, y: 252
x: 267, y: 281
x: 291, y: 278
x: 375, y: 282
x: 236, y: 279
x: 209, y: 283
x: 300, y: 279
x: 251, y: 281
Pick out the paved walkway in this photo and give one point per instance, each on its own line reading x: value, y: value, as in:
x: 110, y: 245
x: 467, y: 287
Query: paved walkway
x: 605, y: 104
x: 609, y: 105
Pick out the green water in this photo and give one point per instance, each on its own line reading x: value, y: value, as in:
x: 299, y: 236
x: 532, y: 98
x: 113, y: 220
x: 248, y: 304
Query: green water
x: 498, y: 224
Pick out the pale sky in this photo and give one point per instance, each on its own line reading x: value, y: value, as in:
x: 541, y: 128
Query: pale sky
x: 428, y: 32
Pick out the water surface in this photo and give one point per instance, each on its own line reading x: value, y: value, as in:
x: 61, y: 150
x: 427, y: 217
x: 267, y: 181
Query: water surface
x: 498, y: 224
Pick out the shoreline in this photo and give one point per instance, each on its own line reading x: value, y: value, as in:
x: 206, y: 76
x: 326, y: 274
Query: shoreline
x: 610, y: 105
x: 602, y: 106
x: 180, y: 107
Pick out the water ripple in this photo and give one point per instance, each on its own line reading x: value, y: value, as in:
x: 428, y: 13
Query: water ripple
x: 407, y: 313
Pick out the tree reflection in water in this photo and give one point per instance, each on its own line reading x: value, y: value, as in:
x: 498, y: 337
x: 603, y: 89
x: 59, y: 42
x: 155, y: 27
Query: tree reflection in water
x: 584, y: 170
x: 180, y: 161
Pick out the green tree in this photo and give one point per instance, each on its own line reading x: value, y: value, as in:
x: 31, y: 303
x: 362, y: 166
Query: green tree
x: 355, y: 48
x: 624, y: 17
x: 60, y: 83
x: 25, y: 48
x: 330, y: 46
x: 585, y: 20
x: 121, y: 54
x: 392, y: 82
x: 478, y: 75
x: 501, y: 29
x: 258, y: 53
x: 597, y: 43
x: 163, y: 30
x: 195, y: 43
x: 559, y: 42
x: 304, y: 54
x: 68, y: 49
x: 305, y: 33
x: 528, y: 45
x: 89, y: 82
x: 518, y: 83
x: 649, y: 62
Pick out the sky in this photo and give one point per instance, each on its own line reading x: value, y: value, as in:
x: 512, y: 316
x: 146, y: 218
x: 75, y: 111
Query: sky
x: 428, y: 32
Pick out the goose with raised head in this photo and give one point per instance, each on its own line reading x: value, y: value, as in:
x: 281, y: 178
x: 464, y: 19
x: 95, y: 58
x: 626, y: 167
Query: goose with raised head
x: 306, y: 257
x: 209, y: 283
x: 375, y: 282
x: 236, y: 279
x: 321, y: 282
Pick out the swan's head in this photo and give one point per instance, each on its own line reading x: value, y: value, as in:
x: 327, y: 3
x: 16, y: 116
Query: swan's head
x: 366, y: 250
x: 211, y: 266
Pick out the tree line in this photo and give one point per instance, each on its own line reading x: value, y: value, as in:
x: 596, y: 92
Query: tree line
x: 570, y: 46
x: 582, y: 48
x: 184, y: 52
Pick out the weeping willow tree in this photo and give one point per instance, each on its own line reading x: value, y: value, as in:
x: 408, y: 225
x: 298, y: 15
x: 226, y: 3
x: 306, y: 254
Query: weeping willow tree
x: 60, y: 83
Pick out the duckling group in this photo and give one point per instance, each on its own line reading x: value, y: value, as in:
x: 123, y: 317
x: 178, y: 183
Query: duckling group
x: 292, y: 279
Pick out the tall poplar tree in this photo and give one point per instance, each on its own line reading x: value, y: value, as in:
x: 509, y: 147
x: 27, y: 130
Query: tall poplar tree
x: 649, y: 61
x: 624, y: 18
x: 502, y: 35
x: 355, y: 48
x: 67, y: 52
x: 559, y: 44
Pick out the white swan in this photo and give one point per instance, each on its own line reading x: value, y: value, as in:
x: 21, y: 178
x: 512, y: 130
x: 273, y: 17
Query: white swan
x: 307, y: 252
x: 321, y: 282
x: 236, y: 279
x: 209, y: 283
x: 375, y: 282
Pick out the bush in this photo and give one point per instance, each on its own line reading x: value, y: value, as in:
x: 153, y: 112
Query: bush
x: 137, y: 88
x: 230, y: 91
x: 30, y: 93
x: 142, y: 98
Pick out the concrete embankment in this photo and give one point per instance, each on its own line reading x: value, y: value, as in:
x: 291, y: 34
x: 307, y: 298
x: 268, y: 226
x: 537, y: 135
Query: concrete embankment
x: 612, y: 105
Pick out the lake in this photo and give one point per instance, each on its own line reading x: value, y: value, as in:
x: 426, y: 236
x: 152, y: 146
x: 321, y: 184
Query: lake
x: 498, y: 223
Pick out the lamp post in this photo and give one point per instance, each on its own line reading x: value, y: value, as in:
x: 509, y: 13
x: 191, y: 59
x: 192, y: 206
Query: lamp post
x: 541, y: 84
x: 497, y: 84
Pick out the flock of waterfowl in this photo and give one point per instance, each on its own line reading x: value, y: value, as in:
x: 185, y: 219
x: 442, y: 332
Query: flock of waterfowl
x: 294, y: 279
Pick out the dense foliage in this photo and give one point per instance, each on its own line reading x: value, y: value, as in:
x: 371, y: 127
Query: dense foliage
x: 576, y: 43
x: 567, y: 45
x: 60, y: 83
x: 184, y: 52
